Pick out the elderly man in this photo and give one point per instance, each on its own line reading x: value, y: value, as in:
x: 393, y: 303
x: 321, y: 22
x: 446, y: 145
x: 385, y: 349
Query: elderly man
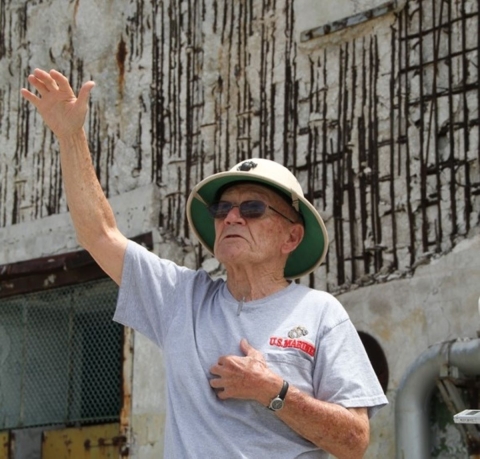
x: 257, y: 365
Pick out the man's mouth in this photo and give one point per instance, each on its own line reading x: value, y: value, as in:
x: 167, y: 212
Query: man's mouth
x: 233, y: 236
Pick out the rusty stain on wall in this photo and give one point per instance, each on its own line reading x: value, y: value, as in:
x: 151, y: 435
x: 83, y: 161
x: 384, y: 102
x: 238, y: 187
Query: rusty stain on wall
x: 121, y: 57
x: 382, y: 129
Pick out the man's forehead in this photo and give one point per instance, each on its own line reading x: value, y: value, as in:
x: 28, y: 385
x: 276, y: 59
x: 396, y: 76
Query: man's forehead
x: 249, y: 187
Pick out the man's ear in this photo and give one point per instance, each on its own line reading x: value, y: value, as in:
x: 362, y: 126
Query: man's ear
x: 296, y: 234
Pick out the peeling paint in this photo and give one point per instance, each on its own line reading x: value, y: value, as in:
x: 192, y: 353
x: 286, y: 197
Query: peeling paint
x: 49, y: 280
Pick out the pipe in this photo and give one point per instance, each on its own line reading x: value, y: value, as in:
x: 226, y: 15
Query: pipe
x: 412, y: 429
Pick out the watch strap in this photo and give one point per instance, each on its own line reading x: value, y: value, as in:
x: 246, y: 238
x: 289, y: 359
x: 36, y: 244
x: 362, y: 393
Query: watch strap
x: 279, y: 399
x: 284, y: 390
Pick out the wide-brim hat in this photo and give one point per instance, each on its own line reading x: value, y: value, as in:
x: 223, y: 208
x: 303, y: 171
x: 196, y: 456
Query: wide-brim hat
x: 309, y: 253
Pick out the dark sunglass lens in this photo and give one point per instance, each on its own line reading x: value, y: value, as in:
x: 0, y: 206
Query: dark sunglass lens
x: 252, y: 209
x: 220, y: 209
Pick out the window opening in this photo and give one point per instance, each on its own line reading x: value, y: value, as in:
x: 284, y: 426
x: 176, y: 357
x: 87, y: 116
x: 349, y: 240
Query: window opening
x: 377, y: 358
x: 60, y: 356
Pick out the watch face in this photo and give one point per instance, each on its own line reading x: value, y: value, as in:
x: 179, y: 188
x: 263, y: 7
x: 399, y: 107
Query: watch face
x: 277, y: 404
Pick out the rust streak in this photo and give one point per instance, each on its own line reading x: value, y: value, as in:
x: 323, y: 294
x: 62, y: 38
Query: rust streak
x: 121, y: 59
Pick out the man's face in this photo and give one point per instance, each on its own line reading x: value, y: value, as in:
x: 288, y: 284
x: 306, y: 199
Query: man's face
x: 252, y: 241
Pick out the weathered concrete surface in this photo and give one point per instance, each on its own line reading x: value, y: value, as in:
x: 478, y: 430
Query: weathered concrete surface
x: 136, y: 213
x: 149, y: 404
x: 380, y: 123
x: 438, y: 303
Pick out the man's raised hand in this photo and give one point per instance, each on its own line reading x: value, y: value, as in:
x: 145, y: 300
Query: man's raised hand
x: 62, y: 111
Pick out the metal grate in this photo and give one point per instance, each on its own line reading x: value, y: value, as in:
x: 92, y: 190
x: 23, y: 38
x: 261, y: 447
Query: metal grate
x: 60, y: 357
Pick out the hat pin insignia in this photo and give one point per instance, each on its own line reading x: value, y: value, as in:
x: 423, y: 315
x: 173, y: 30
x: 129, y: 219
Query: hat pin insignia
x: 247, y: 166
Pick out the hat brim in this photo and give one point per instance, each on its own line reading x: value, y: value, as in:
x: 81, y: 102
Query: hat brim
x: 303, y: 260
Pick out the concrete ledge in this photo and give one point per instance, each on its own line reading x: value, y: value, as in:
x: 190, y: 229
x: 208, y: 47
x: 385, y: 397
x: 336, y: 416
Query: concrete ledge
x: 136, y: 213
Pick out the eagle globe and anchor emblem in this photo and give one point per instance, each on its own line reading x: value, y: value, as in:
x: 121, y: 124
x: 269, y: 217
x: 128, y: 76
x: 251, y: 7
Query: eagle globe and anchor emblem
x: 247, y: 166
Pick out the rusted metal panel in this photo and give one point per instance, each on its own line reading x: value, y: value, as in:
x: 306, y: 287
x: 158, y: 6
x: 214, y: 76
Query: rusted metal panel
x: 54, y: 271
x: 4, y: 445
x: 127, y: 379
x: 94, y: 442
x: 38, y: 282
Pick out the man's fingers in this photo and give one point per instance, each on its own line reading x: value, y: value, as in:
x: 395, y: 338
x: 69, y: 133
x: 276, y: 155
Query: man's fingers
x: 249, y: 350
x: 37, y: 84
x: 222, y: 394
x: 30, y: 97
x: 60, y: 79
x: 40, y: 74
x: 45, y: 82
x: 84, y: 93
x: 216, y: 383
x: 46, y: 79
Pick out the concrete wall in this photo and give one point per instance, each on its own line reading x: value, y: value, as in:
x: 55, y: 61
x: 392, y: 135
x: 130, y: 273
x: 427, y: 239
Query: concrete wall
x: 406, y: 316
x: 379, y: 121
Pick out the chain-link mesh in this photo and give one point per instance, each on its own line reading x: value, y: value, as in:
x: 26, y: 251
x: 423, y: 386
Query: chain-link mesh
x: 60, y: 356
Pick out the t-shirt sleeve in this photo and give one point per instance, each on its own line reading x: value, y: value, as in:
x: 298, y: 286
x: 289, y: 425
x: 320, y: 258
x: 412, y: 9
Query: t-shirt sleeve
x: 343, y: 373
x: 149, y: 292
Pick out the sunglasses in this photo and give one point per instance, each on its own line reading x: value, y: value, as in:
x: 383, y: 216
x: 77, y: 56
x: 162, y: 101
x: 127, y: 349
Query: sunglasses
x: 247, y: 209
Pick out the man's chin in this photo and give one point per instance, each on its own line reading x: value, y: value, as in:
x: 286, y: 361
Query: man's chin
x: 230, y: 256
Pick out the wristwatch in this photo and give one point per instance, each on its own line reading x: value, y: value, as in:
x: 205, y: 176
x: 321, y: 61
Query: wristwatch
x: 278, y: 402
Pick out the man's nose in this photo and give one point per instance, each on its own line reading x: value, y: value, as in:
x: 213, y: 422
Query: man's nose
x: 234, y: 216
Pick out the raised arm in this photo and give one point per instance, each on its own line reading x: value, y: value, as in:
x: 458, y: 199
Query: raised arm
x: 92, y: 216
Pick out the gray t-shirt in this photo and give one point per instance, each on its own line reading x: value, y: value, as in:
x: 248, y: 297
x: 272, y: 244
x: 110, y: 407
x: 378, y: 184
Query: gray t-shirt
x: 305, y: 335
